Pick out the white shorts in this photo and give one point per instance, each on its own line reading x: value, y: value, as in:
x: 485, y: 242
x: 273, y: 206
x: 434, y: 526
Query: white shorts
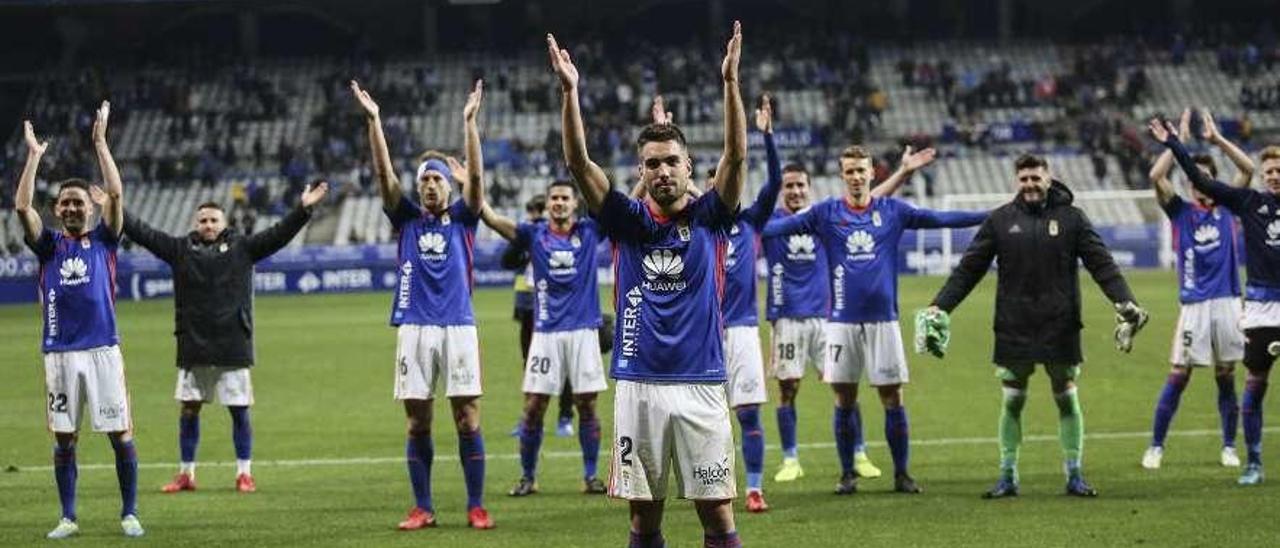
x: 94, y: 377
x: 1208, y: 333
x: 797, y: 342
x: 427, y: 352
x: 875, y: 347
x: 1260, y: 314
x: 231, y: 385
x: 559, y: 355
x: 745, y: 365
x: 664, y: 428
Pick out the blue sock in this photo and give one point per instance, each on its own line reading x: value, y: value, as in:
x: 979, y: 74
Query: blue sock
x: 859, y: 444
x: 752, y: 444
x: 126, y: 475
x: 898, y: 433
x: 65, y: 472
x: 530, y: 444
x: 420, y: 452
x: 1251, y: 412
x: 841, y: 421
x: 188, y: 436
x: 1228, y: 409
x: 241, y: 432
x: 1167, y: 406
x: 722, y: 540
x: 787, y: 430
x: 589, y: 439
x: 471, y: 451
x: 647, y: 540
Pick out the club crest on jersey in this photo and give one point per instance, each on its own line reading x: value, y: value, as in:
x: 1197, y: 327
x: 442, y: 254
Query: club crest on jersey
x: 575, y: 241
x: 1206, y: 237
x: 875, y: 218
x: 1053, y: 227
x: 431, y: 246
x: 444, y: 219
x: 223, y: 247
x: 662, y: 271
x: 560, y: 262
x: 74, y: 271
x: 861, y: 245
x: 801, y: 247
x: 1273, y: 233
x: 84, y: 243
x: 683, y: 231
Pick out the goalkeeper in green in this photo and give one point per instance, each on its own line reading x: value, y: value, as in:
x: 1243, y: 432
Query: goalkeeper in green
x: 1040, y: 238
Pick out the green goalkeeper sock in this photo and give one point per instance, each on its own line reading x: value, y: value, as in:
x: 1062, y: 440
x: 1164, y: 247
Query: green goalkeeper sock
x: 1011, y: 431
x: 1070, y: 429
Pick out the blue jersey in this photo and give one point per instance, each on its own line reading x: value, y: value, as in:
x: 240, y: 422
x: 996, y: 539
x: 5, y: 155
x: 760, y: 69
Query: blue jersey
x: 739, y: 306
x: 1204, y: 241
x: 669, y: 274
x: 565, y: 296
x: 434, y: 258
x: 862, y: 250
x: 799, y: 276
x: 77, y: 289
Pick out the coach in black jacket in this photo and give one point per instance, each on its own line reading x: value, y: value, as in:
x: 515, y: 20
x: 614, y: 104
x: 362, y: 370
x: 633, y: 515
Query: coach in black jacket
x: 213, y: 319
x: 1040, y: 239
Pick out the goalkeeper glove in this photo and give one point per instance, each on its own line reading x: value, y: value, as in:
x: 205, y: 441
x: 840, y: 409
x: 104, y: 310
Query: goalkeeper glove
x: 1129, y: 321
x: 933, y: 331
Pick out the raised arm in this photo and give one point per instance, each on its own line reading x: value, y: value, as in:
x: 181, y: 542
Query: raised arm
x: 973, y: 266
x: 113, y: 209
x: 919, y: 217
x: 164, y: 246
x: 473, y: 188
x: 1244, y: 164
x: 262, y: 244
x: 503, y: 225
x: 591, y: 180
x: 793, y: 224
x: 32, y: 226
x: 732, y: 170
x: 767, y: 199
x: 384, y: 171
x: 1159, y: 174
x: 1229, y: 196
x: 911, y: 161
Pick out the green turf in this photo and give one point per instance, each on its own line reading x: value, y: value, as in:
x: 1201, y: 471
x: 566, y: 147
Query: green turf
x: 324, y: 392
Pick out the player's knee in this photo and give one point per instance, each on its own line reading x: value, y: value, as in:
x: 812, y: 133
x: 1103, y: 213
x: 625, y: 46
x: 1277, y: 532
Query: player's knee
x: 716, y: 515
x: 65, y: 440
x: 586, y: 405
x: 787, y: 390
x: 1226, y: 369
x: 123, y: 436
x: 890, y: 395
x: 190, y: 409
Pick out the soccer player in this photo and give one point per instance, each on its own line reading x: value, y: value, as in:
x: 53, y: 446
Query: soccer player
x: 566, y: 343
x: 1040, y: 239
x: 213, y: 321
x: 798, y: 301
x: 436, y: 338
x: 670, y: 408
x: 860, y: 234
x: 82, y: 360
x: 1208, y: 331
x: 1259, y: 213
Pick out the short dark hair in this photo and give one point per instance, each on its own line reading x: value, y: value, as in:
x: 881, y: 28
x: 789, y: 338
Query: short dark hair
x: 210, y: 205
x: 657, y: 133
x: 74, y: 182
x: 796, y: 167
x: 854, y: 152
x: 1206, y: 161
x: 536, y: 204
x: 562, y: 182
x: 1030, y: 161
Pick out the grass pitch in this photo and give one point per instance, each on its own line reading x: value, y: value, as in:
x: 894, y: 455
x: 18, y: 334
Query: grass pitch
x: 328, y: 448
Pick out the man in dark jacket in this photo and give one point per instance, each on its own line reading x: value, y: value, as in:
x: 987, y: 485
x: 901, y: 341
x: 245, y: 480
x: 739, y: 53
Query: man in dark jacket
x: 213, y: 320
x: 1040, y: 238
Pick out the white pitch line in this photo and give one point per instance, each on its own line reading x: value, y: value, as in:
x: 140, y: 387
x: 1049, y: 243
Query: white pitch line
x: 578, y: 454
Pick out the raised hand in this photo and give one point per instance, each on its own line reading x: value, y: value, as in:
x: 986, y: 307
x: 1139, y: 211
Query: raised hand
x: 912, y: 160
x: 366, y: 102
x: 312, y: 194
x: 34, y: 146
x: 472, y: 107
x: 457, y: 170
x: 764, y: 114
x: 100, y: 123
x: 1184, y: 122
x: 1161, y: 130
x: 562, y: 64
x: 659, y: 111
x: 1208, y: 128
x: 733, y: 52
x: 98, y: 195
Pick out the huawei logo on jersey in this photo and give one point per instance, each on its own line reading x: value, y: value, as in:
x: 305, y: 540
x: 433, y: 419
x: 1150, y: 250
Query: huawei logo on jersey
x: 1206, y: 237
x: 801, y: 247
x: 662, y: 271
x: 561, y: 262
x: 74, y: 271
x: 861, y: 245
x: 431, y: 246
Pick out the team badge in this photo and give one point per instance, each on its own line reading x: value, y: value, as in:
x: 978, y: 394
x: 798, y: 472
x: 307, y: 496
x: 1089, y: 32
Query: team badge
x: 683, y: 231
x: 444, y: 219
x: 84, y: 242
x: 1053, y: 227
x: 222, y: 248
x: 575, y: 241
x: 875, y: 218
